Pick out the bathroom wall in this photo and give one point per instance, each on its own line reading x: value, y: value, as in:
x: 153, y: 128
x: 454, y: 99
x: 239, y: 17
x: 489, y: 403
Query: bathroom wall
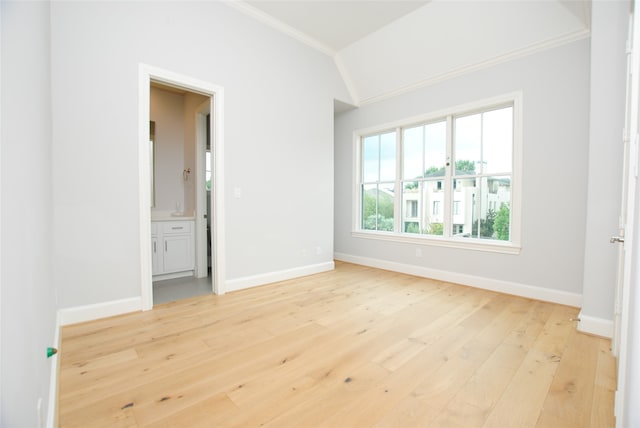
x: 166, y: 110
x: 174, y: 114
x: 191, y: 104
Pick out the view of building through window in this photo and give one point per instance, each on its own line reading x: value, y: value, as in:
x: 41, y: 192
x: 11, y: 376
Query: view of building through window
x: 454, y: 179
x: 207, y: 169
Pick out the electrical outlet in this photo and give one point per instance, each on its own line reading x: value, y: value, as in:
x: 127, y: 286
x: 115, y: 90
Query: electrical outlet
x: 418, y: 252
x: 318, y: 251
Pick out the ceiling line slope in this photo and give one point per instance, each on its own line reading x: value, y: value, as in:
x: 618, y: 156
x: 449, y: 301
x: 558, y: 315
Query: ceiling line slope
x: 450, y: 74
x: 405, y: 52
x: 269, y: 20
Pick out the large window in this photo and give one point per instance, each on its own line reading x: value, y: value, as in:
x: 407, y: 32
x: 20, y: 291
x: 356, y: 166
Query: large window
x: 378, y: 181
x: 446, y: 179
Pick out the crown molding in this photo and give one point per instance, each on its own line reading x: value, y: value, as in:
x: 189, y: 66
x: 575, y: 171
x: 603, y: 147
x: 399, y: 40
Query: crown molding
x: 267, y: 19
x: 278, y: 25
x: 500, y: 59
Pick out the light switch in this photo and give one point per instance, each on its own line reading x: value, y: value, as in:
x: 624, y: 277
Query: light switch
x: 237, y: 192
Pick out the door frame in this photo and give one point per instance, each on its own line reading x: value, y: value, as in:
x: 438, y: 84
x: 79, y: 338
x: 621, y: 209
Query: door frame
x: 146, y: 74
x: 626, y: 224
x: 202, y: 264
x: 629, y: 216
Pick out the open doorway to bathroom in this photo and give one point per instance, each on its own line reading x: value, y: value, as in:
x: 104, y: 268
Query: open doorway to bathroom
x: 180, y: 233
x: 180, y: 187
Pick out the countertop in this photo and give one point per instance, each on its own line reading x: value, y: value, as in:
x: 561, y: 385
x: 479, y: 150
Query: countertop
x: 169, y: 216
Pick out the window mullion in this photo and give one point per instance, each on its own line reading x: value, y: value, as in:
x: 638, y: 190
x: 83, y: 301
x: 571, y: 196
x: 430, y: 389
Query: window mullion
x: 448, y: 188
x: 397, y: 208
x: 479, y: 182
x: 479, y: 191
x: 421, y: 208
x: 422, y: 219
x: 377, y: 212
x: 481, y: 144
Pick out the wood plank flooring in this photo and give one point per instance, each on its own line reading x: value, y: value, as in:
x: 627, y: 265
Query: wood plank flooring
x: 355, y: 347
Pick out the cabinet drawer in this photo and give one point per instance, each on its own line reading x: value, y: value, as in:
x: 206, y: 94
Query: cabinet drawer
x: 169, y: 227
x: 154, y: 228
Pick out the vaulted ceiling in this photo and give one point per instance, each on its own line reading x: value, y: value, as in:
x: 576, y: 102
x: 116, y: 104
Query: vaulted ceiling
x: 383, y: 48
x: 337, y: 24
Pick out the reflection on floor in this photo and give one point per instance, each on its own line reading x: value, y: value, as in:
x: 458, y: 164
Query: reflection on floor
x: 170, y: 290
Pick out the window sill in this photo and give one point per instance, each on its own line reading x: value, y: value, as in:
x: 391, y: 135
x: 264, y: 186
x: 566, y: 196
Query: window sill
x: 491, y: 246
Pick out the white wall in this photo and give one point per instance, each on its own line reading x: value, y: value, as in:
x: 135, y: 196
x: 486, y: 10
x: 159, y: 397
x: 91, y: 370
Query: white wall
x: 607, y: 89
x: 444, y: 37
x: 555, y: 86
x: 28, y: 298
x: 278, y: 138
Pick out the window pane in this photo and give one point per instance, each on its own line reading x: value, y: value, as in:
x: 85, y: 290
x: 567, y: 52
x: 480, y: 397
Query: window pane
x: 435, y: 154
x: 465, y: 194
x: 411, y: 203
x: 386, y: 205
x: 495, y: 195
x: 460, y: 212
x: 436, y: 208
x: 433, y: 216
x: 369, y: 206
x: 412, y: 209
x: 497, y: 140
x: 496, y: 208
x: 411, y: 227
x: 411, y: 198
x: 370, y: 158
x: 467, y: 134
x: 491, y: 201
x: 388, y: 157
x: 472, y: 200
x: 377, y: 207
x: 412, y: 150
x: 207, y: 168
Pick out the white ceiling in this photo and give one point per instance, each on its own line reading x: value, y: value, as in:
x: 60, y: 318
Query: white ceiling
x: 382, y: 48
x: 336, y: 24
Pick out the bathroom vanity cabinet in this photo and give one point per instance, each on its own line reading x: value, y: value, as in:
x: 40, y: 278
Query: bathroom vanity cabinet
x: 172, y: 248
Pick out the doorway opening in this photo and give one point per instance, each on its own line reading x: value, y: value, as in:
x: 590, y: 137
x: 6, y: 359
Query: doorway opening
x: 204, y: 214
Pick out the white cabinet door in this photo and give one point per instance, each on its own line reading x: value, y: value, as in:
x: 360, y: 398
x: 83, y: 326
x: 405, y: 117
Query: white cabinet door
x: 178, y: 253
x: 172, y: 249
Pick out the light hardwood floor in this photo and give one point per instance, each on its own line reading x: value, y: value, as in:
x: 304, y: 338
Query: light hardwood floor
x: 355, y: 347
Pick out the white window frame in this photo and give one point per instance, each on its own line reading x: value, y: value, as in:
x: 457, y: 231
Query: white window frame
x: 512, y: 246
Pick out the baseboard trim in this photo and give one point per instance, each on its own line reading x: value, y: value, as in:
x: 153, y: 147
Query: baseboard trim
x: 52, y: 408
x: 507, y: 287
x: 99, y: 310
x: 283, y: 275
x: 174, y: 275
x: 596, y: 326
x: 76, y: 315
